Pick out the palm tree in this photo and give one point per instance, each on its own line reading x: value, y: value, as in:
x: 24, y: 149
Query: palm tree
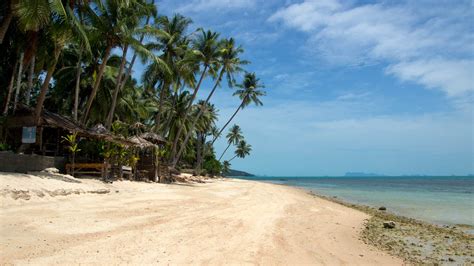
x: 60, y: 31
x: 243, y: 149
x: 129, y: 28
x: 107, y: 24
x: 206, y: 51
x: 233, y: 137
x: 225, y: 167
x: 230, y: 64
x: 173, y: 44
x: 205, y: 127
x: 59, y: 36
x: 249, y: 92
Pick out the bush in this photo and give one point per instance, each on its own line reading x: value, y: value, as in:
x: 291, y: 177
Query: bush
x: 212, y: 166
x: 4, y: 147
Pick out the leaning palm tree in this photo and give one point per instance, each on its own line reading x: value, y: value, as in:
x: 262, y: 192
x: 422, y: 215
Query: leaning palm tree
x: 62, y: 27
x: 243, y: 149
x: 205, y: 51
x: 172, y: 45
x: 249, y: 92
x: 233, y: 137
x: 230, y: 65
x: 129, y: 28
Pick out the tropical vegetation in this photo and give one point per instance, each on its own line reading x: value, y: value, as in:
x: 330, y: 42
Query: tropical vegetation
x: 79, y: 59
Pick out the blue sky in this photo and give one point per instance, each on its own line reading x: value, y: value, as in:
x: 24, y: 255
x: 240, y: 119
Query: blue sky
x: 367, y: 86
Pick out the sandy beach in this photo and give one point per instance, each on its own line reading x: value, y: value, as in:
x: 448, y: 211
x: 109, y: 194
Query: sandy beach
x: 224, y: 221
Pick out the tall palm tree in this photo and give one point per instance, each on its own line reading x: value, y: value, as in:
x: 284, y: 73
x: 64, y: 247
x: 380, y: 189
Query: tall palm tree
x: 135, y: 54
x: 243, y: 149
x: 205, y: 51
x: 60, y: 34
x: 130, y: 27
x: 230, y: 64
x: 63, y: 26
x: 107, y: 25
x: 249, y: 92
x: 173, y: 45
x: 233, y: 137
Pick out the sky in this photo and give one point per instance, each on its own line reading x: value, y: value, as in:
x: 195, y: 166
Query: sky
x: 352, y: 86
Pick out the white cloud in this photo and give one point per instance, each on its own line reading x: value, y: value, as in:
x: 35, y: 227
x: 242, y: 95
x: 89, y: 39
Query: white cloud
x: 453, y: 76
x: 434, y: 48
x: 212, y: 6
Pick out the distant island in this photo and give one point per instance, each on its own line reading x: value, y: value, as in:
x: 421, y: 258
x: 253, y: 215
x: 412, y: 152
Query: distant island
x: 361, y: 174
x: 233, y: 172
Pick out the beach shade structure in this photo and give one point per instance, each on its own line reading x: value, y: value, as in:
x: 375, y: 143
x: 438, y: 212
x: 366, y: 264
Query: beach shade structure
x: 153, y: 137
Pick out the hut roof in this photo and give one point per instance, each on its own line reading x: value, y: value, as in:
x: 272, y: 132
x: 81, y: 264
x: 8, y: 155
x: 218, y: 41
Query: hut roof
x: 140, y: 142
x: 153, y: 137
x: 25, y: 117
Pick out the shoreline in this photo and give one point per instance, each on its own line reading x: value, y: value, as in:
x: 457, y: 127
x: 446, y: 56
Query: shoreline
x: 413, y: 240
x: 221, y: 221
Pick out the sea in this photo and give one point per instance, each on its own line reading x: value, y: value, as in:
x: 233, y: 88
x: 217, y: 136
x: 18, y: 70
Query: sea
x: 443, y: 200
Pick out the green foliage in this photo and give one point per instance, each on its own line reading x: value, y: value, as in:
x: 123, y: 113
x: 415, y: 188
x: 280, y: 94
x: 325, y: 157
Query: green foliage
x: 212, y: 165
x: 75, y: 44
x: 4, y: 147
x: 72, y: 144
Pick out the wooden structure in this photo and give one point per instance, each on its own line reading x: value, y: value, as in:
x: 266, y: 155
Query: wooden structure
x: 53, y: 126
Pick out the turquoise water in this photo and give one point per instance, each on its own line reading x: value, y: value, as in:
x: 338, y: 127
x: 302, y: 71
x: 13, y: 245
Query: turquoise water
x: 441, y: 200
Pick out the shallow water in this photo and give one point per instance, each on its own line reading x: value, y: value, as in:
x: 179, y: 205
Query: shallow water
x: 440, y: 200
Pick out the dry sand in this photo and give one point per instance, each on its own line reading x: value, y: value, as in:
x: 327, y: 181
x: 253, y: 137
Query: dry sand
x: 225, y: 221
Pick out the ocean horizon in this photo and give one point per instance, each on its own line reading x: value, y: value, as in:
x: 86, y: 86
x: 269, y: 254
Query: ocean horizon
x: 442, y: 200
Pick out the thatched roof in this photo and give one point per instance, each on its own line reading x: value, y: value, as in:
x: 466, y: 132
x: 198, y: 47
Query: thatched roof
x: 140, y: 142
x: 24, y: 116
x: 153, y: 137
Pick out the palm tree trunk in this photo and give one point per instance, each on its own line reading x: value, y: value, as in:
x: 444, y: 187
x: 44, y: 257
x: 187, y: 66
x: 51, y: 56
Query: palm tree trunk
x: 5, y: 25
x: 129, y: 70
x: 44, y: 87
x: 30, y: 81
x: 226, y: 124
x: 78, y: 86
x: 224, y: 151
x: 199, y: 144
x: 18, y: 82
x: 97, y: 83
x: 10, y: 88
x: 170, y: 117
x: 164, y: 88
x: 110, y: 117
x: 201, y: 111
x: 232, y: 158
x: 180, y: 129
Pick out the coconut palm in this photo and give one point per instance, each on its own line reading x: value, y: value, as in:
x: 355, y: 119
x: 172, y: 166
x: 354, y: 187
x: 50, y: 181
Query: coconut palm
x: 129, y: 27
x: 173, y: 45
x: 205, y: 51
x: 243, y: 149
x: 233, y: 137
x: 108, y: 24
x: 230, y: 64
x: 60, y: 31
x: 248, y: 92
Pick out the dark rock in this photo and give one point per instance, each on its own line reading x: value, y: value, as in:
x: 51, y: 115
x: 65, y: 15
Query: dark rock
x: 389, y: 224
x: 451, y: 259
x: 382, y: 208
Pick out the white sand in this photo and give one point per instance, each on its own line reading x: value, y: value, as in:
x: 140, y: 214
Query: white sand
x: 220, y: 222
